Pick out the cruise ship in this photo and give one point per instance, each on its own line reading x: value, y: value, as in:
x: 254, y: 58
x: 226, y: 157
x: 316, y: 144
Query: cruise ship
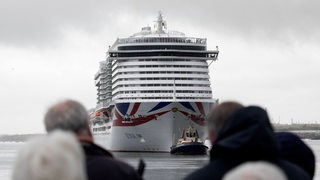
x: 152, y: 86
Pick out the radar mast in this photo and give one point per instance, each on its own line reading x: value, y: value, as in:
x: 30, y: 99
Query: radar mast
x: 160, y: 24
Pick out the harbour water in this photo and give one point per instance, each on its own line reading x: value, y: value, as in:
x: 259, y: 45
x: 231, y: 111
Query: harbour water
x: 158, y: 165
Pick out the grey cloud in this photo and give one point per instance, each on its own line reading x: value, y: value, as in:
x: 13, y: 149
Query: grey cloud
x: 41, y: 22
x: 283, y: 20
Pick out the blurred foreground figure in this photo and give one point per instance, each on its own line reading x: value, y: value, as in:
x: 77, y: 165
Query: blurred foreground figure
x: 259, y: 170
x: 238, y: 135
x: 293, y: 149
x: 57, y: 156
x: 101, y: 165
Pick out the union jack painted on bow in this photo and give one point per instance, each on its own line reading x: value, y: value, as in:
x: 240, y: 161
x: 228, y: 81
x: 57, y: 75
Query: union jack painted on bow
x: 198, y: 114
x: 125, y: 114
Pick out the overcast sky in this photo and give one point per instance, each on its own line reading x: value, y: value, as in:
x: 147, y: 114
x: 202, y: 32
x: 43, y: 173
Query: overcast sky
x: 50, y: 50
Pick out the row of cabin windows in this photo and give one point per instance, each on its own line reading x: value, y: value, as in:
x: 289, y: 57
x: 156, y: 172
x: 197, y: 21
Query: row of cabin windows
x: 151, y: 85
x: 176, y: 78
x: 99, y: 129
x: 164, y: 53
x: 200, y: 48
x: 132, y: 98
x: 170, y: 66
x: 158, y: 91
x: 161, y: 91
x: 162, y: 78
x: 171, y: 72
x: 162, y: 72
x: 137, y: 98
x: 158, y: 60
x: 159, y: 66
x: 163, y: 39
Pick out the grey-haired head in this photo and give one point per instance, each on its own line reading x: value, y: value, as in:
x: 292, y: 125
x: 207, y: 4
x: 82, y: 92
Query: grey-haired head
x: 55, y: 156
x: 67, y: 115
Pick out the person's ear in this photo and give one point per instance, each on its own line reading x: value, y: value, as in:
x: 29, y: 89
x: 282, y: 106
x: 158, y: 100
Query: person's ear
x: 212, y: 137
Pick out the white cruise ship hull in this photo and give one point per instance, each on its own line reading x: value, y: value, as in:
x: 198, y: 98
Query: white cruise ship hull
x: 152, y: 126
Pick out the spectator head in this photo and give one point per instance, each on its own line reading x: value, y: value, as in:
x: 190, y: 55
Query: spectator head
x: 219, y: 115
x: 67, y: 115
x: 294, y: 150
x: 259, y: 170
x: 57, y: 156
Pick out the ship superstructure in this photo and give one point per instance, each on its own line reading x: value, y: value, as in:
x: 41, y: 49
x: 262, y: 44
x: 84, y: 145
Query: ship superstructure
x: 152, y: 85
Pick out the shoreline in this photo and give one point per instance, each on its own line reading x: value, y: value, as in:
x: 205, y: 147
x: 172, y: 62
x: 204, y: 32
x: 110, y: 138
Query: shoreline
x: 313, y: 135
x: 304, y: 131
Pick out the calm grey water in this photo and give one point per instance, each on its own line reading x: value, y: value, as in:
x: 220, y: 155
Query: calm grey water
x: 158, y: 165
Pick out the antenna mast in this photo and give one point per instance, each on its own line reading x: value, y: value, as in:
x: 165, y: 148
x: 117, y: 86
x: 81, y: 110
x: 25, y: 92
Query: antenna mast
x: 160, y: 24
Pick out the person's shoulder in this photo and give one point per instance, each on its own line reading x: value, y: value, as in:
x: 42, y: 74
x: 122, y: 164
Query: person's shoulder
x: 93, y: 149
x: 215, y: 169
x: 124, y: 170
x: 98, y: 155
x: 120, y: 164
x: 101, y: 166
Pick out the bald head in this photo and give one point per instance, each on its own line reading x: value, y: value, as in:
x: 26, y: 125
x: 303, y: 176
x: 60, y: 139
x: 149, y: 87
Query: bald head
x: 219, y: 115
x: 67, y: 115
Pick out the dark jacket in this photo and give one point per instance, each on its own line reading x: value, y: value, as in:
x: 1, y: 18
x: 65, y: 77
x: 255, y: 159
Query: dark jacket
x: 101, y: 165
x: 246, y: 136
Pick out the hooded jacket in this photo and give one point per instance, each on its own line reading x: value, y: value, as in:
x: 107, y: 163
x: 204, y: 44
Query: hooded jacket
x: 246, y: 136
x: 101, y: 165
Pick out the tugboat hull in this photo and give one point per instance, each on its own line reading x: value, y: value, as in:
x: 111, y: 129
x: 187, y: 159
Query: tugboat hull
x: 190, y: 148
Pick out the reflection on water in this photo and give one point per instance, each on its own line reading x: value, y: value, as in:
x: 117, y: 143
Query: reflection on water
x: 165, y: 164
x: 8, y: 153
x: 158, y: 165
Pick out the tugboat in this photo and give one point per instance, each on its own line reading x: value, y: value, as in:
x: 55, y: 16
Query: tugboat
x: 189, y: 143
